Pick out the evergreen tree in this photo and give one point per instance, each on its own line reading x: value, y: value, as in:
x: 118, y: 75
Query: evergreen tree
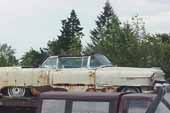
x: 69, y: 42
x: 106, y: 35
x: 104, y: 20
x: 165, y: 59
x: 164, y: 37
x: 138, y: 26
x: 163, y: 55
x: 129, y: 50
x: 34, y: 58
x: 7, y: 57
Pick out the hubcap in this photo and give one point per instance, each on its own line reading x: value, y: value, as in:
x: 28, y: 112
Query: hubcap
x: 16, y: 92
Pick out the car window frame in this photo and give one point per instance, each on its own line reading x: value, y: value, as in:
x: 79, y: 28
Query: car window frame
x: 113, y: 107
x: 161, y: 91
x: 126, y: 98
x: 166, y: 103
x: 69, y: 104
x: 56, y: 62
x: 41, y: 105
x: 111, y: 104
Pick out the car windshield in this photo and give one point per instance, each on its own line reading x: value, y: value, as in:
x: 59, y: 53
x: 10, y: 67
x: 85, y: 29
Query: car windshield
x: 72, y: 62
x: 51, y: 62
x: 96, y: 60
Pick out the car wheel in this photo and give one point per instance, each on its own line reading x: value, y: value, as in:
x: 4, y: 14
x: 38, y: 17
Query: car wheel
x: 16, y: 92
x: 130, y: 89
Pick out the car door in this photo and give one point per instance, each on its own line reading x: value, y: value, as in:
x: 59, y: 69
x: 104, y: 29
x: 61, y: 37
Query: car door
x: 74, y: 77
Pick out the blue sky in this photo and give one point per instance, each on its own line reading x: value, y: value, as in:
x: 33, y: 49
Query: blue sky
x: 31, y: 23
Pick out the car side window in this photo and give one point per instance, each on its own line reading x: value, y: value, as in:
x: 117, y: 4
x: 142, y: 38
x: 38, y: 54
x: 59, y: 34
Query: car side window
x: 138, y: 106
x: 167, y: 97
x: 94, y: 63
x: 162, y: 108
x: 90, y: 107
x: 53, y: 106
x: 84, y: 62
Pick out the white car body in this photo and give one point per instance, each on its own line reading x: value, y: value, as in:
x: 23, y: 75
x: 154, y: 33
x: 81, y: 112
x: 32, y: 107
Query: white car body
x: 78, y: 79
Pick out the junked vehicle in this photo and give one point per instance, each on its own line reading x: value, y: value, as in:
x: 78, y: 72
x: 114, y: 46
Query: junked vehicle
x: 52, y: 102
x: 90, y: 102
x: 162, y: 103
x: 86, y: 73
x: 18, y: 105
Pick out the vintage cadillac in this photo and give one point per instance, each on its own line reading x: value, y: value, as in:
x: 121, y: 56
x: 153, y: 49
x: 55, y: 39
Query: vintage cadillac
x: 86, y: 73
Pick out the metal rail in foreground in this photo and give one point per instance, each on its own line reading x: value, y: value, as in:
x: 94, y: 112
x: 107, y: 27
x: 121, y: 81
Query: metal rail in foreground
x: 18, y: 102
x: 161, y: 93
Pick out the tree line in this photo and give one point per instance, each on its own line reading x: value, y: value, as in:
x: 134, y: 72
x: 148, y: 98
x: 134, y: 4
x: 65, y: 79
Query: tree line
x: 125, y: 44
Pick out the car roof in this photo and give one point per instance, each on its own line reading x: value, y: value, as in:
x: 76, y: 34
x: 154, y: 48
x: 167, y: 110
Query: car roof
x: 95, y: 95
x: 76, y: 56
x: 80, y: 95
x: 140, y: 96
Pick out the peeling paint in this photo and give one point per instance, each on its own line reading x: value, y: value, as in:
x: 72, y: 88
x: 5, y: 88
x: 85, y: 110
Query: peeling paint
x: 80, y: 79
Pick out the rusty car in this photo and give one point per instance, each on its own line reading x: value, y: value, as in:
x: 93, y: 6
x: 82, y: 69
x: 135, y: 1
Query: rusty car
x: 78, y: 74
x: 62, y: 102
x: 90, y: 102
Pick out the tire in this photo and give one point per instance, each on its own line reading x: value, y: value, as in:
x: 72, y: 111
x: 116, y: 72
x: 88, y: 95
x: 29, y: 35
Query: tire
x: 130, y: 89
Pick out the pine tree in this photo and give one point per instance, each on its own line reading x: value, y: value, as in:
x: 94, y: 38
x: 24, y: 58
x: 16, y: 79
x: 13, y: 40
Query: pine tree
x: 7, y: 57
x: 103, y: 21
x: 34, y: 58
x: 106, y: 35
x: 69, y: 42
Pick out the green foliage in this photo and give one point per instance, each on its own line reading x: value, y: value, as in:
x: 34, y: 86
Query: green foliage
x: 138, y: 26
x: 103, y: 25
x: 128, y: 49
x: 106, y: 34
x: 69, y: 42
x: 154, y: 52
x: 125, y: 44
x: 33, y: 58
x: 164, y: 37
x: 129, y: 44
x: 164, y: 59
x: 118, y: 42
x: 7, y: 57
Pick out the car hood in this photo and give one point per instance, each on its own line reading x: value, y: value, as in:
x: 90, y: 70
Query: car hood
x: 131, y: 72
x: 18, y: 76
x: 9, y: 70
x: 6, y: 68
x: 127, y: 76
x: 18, y: 68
